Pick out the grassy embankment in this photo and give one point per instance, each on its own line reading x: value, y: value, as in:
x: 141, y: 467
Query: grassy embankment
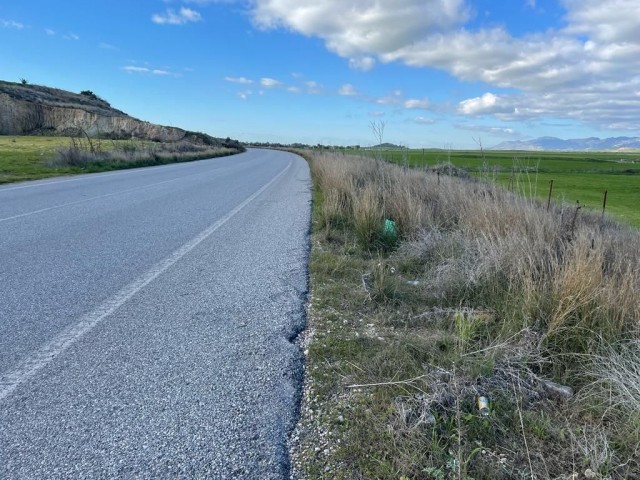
x: 483, y: 293
x: 577, y: 176
x: 31, y: 158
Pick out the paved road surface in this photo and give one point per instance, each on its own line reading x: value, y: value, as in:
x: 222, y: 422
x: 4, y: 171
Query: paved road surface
x: 146, y: 319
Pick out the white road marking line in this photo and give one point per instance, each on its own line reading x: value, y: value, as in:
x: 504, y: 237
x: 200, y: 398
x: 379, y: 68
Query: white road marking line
x: 62, y: 205
x: 49, y: 351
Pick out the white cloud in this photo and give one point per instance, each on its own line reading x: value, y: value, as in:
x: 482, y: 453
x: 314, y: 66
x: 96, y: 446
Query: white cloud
x: 487, y: 103
x: 394, y: 98
x: 313, y: 88
x: 71, y: 36
x: 107, y: 46
x: 207, y: 2
x: 133, y: 68
x: 347, y: 90
x: 270, y: 82
x: 245, y: 94
x: 149, y: 71
x: 423, y: 121
x: 362, y: 63
x: 294, y: 89
x: 566, y: 72
x: 170, y: 17
x: 241, y: 80
x: 414, y: 103
x: 498, y: 131
x: 365, y: 25
x: 11, y: 24
x: 377, y: 114
x: 49, y: 32
x: 604, y: 20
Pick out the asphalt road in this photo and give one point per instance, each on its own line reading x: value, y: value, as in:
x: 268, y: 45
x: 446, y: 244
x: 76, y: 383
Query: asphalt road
x: 147, y: 318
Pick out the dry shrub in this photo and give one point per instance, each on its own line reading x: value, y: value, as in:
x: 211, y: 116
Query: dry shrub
x: 564, y: 272
x: 368, y: 216
x: 335, y: 209
x: 577, y: 287
x: 501, y: 294
x: 615, y: 379
x: 371, y: 191
x: 85, y: 153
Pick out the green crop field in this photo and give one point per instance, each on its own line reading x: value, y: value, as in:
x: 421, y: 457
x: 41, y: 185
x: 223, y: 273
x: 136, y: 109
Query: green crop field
x: 24, y: 158
x: 577, y: 176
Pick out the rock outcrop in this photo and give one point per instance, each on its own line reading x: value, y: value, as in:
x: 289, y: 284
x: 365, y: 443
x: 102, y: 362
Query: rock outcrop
x: 37, y: 110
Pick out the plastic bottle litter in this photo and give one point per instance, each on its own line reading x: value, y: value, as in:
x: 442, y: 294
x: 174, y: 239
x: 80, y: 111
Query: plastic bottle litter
x: 390, y: 228
x: 483, y: 406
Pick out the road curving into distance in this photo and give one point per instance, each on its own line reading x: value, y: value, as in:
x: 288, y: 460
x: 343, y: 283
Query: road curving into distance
x: 147, y: 320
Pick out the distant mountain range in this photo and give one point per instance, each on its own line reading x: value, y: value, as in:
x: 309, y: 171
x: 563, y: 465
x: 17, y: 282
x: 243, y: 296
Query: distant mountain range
x: 574, y: 144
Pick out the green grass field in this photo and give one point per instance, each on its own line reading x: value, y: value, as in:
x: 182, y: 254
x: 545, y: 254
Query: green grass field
x: 24, y: 158
x: 35, y: 157
x: 577, y: 176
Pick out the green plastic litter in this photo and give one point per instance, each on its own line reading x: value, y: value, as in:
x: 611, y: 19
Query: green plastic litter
x: 390, y: 228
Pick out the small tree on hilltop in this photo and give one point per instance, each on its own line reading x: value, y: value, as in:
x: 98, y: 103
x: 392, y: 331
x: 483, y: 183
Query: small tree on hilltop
x: 90, y: 94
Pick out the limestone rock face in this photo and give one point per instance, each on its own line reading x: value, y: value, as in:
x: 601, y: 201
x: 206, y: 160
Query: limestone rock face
x: 33, y: 110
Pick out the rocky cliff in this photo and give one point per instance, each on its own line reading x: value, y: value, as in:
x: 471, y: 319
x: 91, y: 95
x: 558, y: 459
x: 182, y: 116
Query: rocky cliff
x: 36, y: 110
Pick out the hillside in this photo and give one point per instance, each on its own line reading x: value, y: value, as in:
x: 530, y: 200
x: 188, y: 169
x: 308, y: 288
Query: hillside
x: 38, y: 110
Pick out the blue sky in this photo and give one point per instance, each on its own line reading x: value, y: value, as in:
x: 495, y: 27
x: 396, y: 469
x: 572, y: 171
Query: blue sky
x: 438, y: 73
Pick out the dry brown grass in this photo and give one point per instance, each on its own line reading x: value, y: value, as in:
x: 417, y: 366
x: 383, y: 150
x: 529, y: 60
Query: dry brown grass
x: 566, y: 272
x: 534, y: 293
x: 88, y: 153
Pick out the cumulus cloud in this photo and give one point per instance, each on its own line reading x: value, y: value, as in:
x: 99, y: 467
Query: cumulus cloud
x: 586, y: 69
x: 310, y: 87
x: 240, y: 80
x: 270, y: 82
x: 487, y: 103
x: 393, y: 98
x: 414, y: 103
x: 362, y: 63
x: 171, y: 17
x: 365, y: 25
x: 347, y: 90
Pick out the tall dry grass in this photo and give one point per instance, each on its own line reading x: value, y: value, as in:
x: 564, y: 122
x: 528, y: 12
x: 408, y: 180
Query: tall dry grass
x: 572, y: 277
x: 96, y: 152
